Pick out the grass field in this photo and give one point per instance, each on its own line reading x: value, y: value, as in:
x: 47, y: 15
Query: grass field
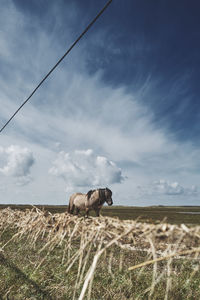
x: 50, y: 256
x: 171, y: 214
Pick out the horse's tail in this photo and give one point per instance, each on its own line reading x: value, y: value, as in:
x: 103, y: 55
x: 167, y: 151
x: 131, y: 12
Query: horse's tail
x: 71, y: 205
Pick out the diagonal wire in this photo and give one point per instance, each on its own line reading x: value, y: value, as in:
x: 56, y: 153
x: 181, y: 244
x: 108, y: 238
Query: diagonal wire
x: 59, y: 61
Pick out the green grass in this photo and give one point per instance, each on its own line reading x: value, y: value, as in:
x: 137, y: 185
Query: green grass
x: 152, y: 214
x: 19, y: 280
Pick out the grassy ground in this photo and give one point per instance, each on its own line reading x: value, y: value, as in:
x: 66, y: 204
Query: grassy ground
x: 172, y: 214
x: 19, y: 279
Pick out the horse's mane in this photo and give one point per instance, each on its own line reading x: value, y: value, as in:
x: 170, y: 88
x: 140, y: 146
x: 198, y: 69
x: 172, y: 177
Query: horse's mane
x: 102, y: 194
x: 89, y: 194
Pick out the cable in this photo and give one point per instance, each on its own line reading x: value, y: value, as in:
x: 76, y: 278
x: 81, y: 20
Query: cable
x: 59, y: 61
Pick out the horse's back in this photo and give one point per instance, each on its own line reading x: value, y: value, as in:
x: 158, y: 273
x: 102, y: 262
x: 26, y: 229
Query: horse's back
x: 79, y: 200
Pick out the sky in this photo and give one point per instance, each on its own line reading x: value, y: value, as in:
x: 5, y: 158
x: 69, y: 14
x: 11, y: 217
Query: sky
x: 121, y: 111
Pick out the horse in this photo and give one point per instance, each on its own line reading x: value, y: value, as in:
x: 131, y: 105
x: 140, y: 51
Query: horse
x: 93, y: 200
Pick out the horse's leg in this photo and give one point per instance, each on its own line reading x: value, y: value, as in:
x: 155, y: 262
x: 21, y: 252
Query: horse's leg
x: 87, y: 212
x: 77, y: 211
x: 97, y: 211
x: 72, y: 209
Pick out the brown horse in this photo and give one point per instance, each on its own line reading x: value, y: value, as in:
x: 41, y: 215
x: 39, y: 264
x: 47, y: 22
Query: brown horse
x: 93, y: 200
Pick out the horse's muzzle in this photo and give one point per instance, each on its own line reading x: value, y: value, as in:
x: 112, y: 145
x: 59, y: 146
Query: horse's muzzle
x: 110, y: 202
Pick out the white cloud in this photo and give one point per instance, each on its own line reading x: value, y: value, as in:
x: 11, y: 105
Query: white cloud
x: 174, y: 188
x: 168, y: 188
x: 85, y: 169
x: 16, y: 162
x: 163, y: 187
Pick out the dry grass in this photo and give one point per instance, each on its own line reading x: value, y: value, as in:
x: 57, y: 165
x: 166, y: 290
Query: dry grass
x: 84, y: 245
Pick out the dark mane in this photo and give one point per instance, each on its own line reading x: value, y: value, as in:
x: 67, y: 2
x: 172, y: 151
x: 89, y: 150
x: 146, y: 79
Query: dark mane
x: 89, y: 194
x: 102, y: 196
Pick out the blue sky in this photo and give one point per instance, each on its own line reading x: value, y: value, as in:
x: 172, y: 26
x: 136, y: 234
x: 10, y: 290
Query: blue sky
x: 122, y: 110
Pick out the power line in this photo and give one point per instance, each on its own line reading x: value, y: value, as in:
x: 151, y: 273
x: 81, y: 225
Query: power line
x: 59, y: 61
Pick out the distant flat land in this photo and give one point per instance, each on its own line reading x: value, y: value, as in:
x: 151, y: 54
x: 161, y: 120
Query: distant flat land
x: 151, y: 214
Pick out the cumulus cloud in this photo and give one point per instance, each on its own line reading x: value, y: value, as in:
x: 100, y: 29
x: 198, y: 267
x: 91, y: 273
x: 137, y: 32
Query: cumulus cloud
x: 164, y: 187
x: 16, y: 162
x: 82, y: 168
x: 168, y: 188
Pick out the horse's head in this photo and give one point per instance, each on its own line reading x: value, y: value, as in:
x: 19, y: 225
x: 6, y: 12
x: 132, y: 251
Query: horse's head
x: 108, y: 196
